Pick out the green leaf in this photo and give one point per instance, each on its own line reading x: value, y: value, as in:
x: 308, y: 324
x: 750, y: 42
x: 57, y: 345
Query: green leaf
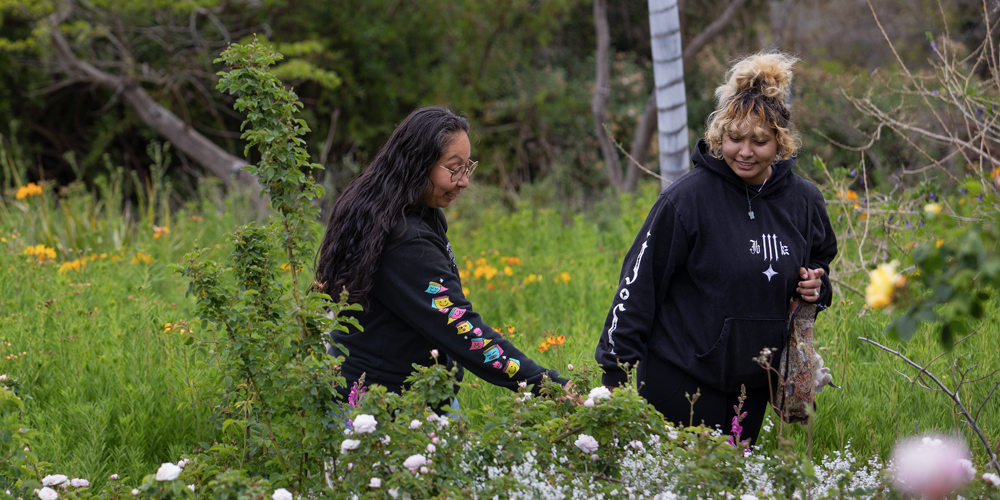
x: 902, y: 327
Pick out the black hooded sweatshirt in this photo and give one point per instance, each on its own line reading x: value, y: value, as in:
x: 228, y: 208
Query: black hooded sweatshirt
x: 706, y: 287
x: 416, y: 304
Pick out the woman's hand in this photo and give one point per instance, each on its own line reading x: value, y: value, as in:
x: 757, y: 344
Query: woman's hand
x: 810, y: 284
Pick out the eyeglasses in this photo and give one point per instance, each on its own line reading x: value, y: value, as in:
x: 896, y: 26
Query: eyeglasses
x: 465, y: 170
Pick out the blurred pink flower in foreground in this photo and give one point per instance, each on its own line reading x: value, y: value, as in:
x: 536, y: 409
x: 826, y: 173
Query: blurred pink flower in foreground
x: 931, y: 466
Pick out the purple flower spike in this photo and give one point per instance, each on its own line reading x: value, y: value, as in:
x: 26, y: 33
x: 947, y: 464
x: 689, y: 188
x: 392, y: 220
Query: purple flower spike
x: 934, y: 46
x: 854, y: 172
x: 963, y: 191
x: 979, y: 112
x: 932, y: 196
x: 908, y: 224
x: 980, y: 197
x: 935, y: 93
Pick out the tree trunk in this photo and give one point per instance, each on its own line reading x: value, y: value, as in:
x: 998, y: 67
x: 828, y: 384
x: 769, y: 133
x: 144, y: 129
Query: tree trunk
x: 668, y: 77
x: 602, y: 89
x: 648, y: 123
x: 196, y: 146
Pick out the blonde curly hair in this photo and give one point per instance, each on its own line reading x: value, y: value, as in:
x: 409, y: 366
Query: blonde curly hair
x: 752, y: 100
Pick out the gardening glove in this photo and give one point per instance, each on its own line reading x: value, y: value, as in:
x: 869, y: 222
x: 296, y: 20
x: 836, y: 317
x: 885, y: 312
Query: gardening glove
x: 821, y: 375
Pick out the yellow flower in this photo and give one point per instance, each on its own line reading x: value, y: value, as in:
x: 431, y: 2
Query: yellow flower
x: 880, y: 291
x: 490, y: 272
x: 142, y: 258
x: 31, y: 189
x: 938, y: 243
x: 160, y: 231
x: 464, y: 274
x: 41, y: 252
x: 565, y: 277
x: 932, y: 208
x: 508, y: 271
x: 513, y: 261
x: 530, y: 279
x: 481, y: 261
x: 74, y: 265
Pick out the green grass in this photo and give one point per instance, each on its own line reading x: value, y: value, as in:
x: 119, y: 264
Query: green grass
x: 111, y: 392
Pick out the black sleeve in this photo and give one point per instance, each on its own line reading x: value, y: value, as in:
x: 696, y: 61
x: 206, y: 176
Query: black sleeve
x: 824, y: 247
x: 660, y: 247
x: 417, y: 280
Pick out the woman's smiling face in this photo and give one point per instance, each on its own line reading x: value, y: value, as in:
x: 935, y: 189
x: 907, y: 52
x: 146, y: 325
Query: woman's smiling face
x: 456, y: 154
x: 750, y: 153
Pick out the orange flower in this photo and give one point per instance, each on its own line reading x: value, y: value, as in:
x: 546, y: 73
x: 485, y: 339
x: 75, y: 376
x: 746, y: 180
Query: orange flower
x: 511, y: 329
x: 31, y: 189
x: 195, y: 218
x: 565, y: 277
x: 159, y: 231
x: 511, y: 261
x: 849, y: 195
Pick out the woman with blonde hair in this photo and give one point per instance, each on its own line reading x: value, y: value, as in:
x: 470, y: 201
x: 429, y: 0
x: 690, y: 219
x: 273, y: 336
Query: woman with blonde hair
x: 706, y: 284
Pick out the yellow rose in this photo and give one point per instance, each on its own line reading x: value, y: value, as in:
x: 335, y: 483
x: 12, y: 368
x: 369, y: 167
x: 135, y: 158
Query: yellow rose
x: 879, y: 292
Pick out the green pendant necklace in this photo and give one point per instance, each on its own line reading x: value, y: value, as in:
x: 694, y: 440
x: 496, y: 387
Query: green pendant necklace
x: 761, y: 190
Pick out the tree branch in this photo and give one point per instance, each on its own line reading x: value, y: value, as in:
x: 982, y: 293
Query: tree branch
x: 208, y: 154
x: 954, y: 397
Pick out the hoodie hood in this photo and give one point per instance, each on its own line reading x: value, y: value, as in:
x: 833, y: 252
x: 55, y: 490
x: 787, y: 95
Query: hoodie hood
x: 778, y: 181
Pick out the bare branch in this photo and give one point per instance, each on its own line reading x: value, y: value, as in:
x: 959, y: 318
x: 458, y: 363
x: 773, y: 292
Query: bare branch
x: 156, y: 116
x: 954, y: 397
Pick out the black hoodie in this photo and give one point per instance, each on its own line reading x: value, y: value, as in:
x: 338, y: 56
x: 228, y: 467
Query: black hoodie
x: 706, y: 287
x: 416, y: 304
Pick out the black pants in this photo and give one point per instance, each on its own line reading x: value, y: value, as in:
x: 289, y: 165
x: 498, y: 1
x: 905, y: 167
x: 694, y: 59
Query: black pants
x: 663, y: 384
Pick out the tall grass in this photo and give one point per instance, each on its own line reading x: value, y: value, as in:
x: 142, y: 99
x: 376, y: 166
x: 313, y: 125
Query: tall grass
x: 112, y: 392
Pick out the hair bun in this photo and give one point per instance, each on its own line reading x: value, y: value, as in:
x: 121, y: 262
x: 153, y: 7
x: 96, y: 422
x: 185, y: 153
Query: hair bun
x: 768, y: 72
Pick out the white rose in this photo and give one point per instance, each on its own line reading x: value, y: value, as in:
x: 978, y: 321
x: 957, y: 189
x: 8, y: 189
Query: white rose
x: 431, y: 448
x: 47, y: 493
x: 364, y: 424
x: 636, y: 444
x: 432, y: 417
x: 672, y: 434
x: 586, y: 443
x: 434, y: 353
x: 991, y: 477
x: 191, y: 487
x: 386, y: 440
x: 589, y: 403
x: 414, y: 461
x: 442, y: 423
x: 54, y: 479
x: 748, y: 497
x: 183, y: 463
x: 415, y: 424
x: 79, y: 483
x: 135, y: 491
x: 666, y: 495
x: 375, y: 482
x: 424, y: 470
x: 349, y: 444
x: 600, y: 392
x: 167, y: 472
x: 281, y: 494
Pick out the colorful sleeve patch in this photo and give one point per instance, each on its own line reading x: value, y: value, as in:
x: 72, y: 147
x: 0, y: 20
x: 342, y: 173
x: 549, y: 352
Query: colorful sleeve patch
x: 464, y: 327
x: 497, y: 365
x: 455, y: 314
x: 478, y: 344
x: 493, y: 353
x: 512, y: 367
x: 435, y: 288
x: 442, y: 303
x: 477, y: 332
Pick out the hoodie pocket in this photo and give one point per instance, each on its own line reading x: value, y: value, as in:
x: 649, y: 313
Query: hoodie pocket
x: 730, y: 361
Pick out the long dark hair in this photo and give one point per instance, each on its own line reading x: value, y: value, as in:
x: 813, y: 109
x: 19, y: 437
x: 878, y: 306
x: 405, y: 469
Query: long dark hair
x: 366, y: 212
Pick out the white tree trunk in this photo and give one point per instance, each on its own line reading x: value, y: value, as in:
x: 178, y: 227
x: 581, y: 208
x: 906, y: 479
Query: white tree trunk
x: 668, y: 77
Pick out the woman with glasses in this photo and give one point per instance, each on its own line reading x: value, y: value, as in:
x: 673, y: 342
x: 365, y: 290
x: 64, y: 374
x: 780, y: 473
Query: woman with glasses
x: 386, y: 244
